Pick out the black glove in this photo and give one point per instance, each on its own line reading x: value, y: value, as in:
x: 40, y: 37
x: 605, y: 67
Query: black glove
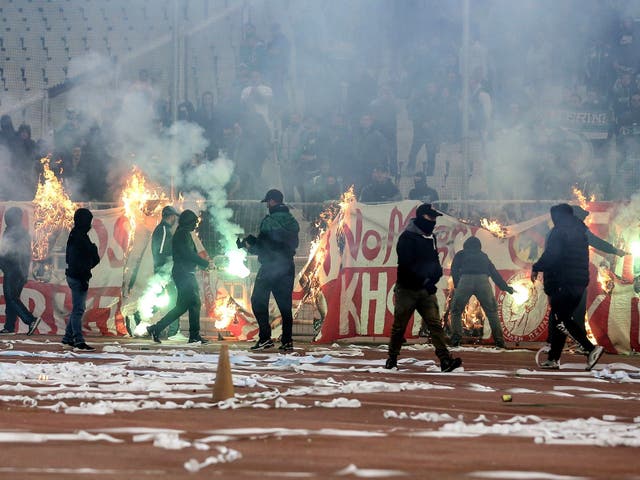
x: 239, y: 243
x: 251, y: 240
x: 509, y: 290
x: 431, y: 289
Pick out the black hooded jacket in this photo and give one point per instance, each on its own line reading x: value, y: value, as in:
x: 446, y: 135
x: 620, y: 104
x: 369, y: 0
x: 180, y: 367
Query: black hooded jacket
x: 418, y: 262
x: 82, y: 253
x: 565, y: 260
x: 15, y: 249
x: 471, y: 260
x: 185, y: 255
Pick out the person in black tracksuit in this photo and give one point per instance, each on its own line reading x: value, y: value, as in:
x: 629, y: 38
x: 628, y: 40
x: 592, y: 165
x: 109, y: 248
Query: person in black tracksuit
x: 15, y: 258
x: 275, y: 246
x: 565, y: 265
x: 603, y: 246
x: 162, y: 251
x: 419, y: 270
x: 185, y: 261
x: 470, y: 270
x: 82, y: 256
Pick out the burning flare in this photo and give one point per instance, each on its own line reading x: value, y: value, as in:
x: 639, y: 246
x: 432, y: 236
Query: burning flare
x: 53, y: 210
x: 224, y: 312
x: 494, y: 227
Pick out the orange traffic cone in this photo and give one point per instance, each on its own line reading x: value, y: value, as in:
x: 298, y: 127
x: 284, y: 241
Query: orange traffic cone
x: 223, y: 387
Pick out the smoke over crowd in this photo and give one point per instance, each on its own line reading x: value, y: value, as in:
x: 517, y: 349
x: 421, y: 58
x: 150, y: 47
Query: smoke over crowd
x: 371, y: 93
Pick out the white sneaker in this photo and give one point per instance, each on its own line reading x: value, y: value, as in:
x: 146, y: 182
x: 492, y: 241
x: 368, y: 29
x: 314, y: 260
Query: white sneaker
x: 593, y: 357
x: 178, y: 337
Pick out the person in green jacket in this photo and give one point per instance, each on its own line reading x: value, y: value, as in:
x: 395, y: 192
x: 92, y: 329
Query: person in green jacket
x: 185, y: 261
x: 275, y: 246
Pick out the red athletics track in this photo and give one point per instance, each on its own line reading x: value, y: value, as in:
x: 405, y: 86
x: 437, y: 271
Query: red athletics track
x: 346, y: 435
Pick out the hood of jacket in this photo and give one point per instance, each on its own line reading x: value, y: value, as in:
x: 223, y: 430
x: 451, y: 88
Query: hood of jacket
x: 82, y: 220
x: 472, y: 244
x: 188, y: 220
x: 13, y: 216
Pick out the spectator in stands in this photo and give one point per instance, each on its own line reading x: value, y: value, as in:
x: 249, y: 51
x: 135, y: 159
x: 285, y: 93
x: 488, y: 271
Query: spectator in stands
x: 371, y: 149
x: 321, y: 187
x: 70, y: 134
x: 15, y: 259
x: 631, y: 116
x: 275, y: 246
x: 419, y: 271
x: 626, y: 50
x: 340, y: 148
x: 361, y: 91
x: 599, y: 71
x: 207, y: 117
x: 289, y: 147
x: 621, y: 93
x: 8, y: 136
x: 384, y: 112
x: 277, y: 62
x: 252, y: 49
x: 186, y: 112
x: 381, y: 189
x: 421, y: 191
x: 185, y: 261
x: 82, y: 256
x: 26, y: 165
x: 480, y: 105
x: 423, y: 111
x: 470, y: 270
x: 565, y: 267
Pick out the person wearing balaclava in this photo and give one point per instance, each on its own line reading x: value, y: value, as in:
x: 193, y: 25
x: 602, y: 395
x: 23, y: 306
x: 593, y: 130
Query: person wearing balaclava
x: 15, y: 258
x: 275, y: 246
x: 82, y: 256
x: 565, y: 267
x: 470, y: 270
x: 418, y: 273
x: 185, y: 262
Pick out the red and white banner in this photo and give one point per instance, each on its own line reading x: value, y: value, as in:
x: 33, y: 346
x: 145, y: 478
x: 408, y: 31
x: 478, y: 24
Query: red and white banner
x: 356, y: 274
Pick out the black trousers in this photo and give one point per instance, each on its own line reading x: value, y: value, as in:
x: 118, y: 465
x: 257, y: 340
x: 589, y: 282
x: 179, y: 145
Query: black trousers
x: 188, y: 300
x: 276, y: 280
x: 12, y: 285
x: 562, y: 320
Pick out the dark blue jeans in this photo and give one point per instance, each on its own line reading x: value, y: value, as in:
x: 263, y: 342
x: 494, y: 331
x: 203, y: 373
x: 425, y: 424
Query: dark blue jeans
x: 73, y: 333
x: 12, y: 286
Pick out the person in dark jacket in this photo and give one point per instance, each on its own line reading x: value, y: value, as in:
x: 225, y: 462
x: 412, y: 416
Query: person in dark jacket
x: 185, y: 261
x: 82, y: 256
x: 15, y: 258
x: 161, y: 249
x: 275, y: 246
x: 601, y: 245
x: 419, y: 270
x: 381, y: 189
x: 421, y: 191
x: 470, y: 270
x: 565, y: 265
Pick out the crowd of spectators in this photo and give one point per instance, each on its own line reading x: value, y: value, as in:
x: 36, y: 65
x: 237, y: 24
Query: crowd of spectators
x: 352, y: 137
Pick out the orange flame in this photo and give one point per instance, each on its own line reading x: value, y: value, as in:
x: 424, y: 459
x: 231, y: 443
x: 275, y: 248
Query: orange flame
x: 581, y: 198
x: 335, y: 212
x: 53, y: 210
x: 140, y: 197
x: 605, y: 279
x: 494, y: 227
x: 224, y: 312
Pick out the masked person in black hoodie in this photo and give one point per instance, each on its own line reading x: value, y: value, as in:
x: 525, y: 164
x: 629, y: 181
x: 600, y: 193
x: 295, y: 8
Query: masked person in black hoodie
x: 470, y: 270
x: 82, y: 256
x: 565, y: 266
x: 15, y: 257
x: 418, y: 273
x: 185, y: 261
x: 275, y: 246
